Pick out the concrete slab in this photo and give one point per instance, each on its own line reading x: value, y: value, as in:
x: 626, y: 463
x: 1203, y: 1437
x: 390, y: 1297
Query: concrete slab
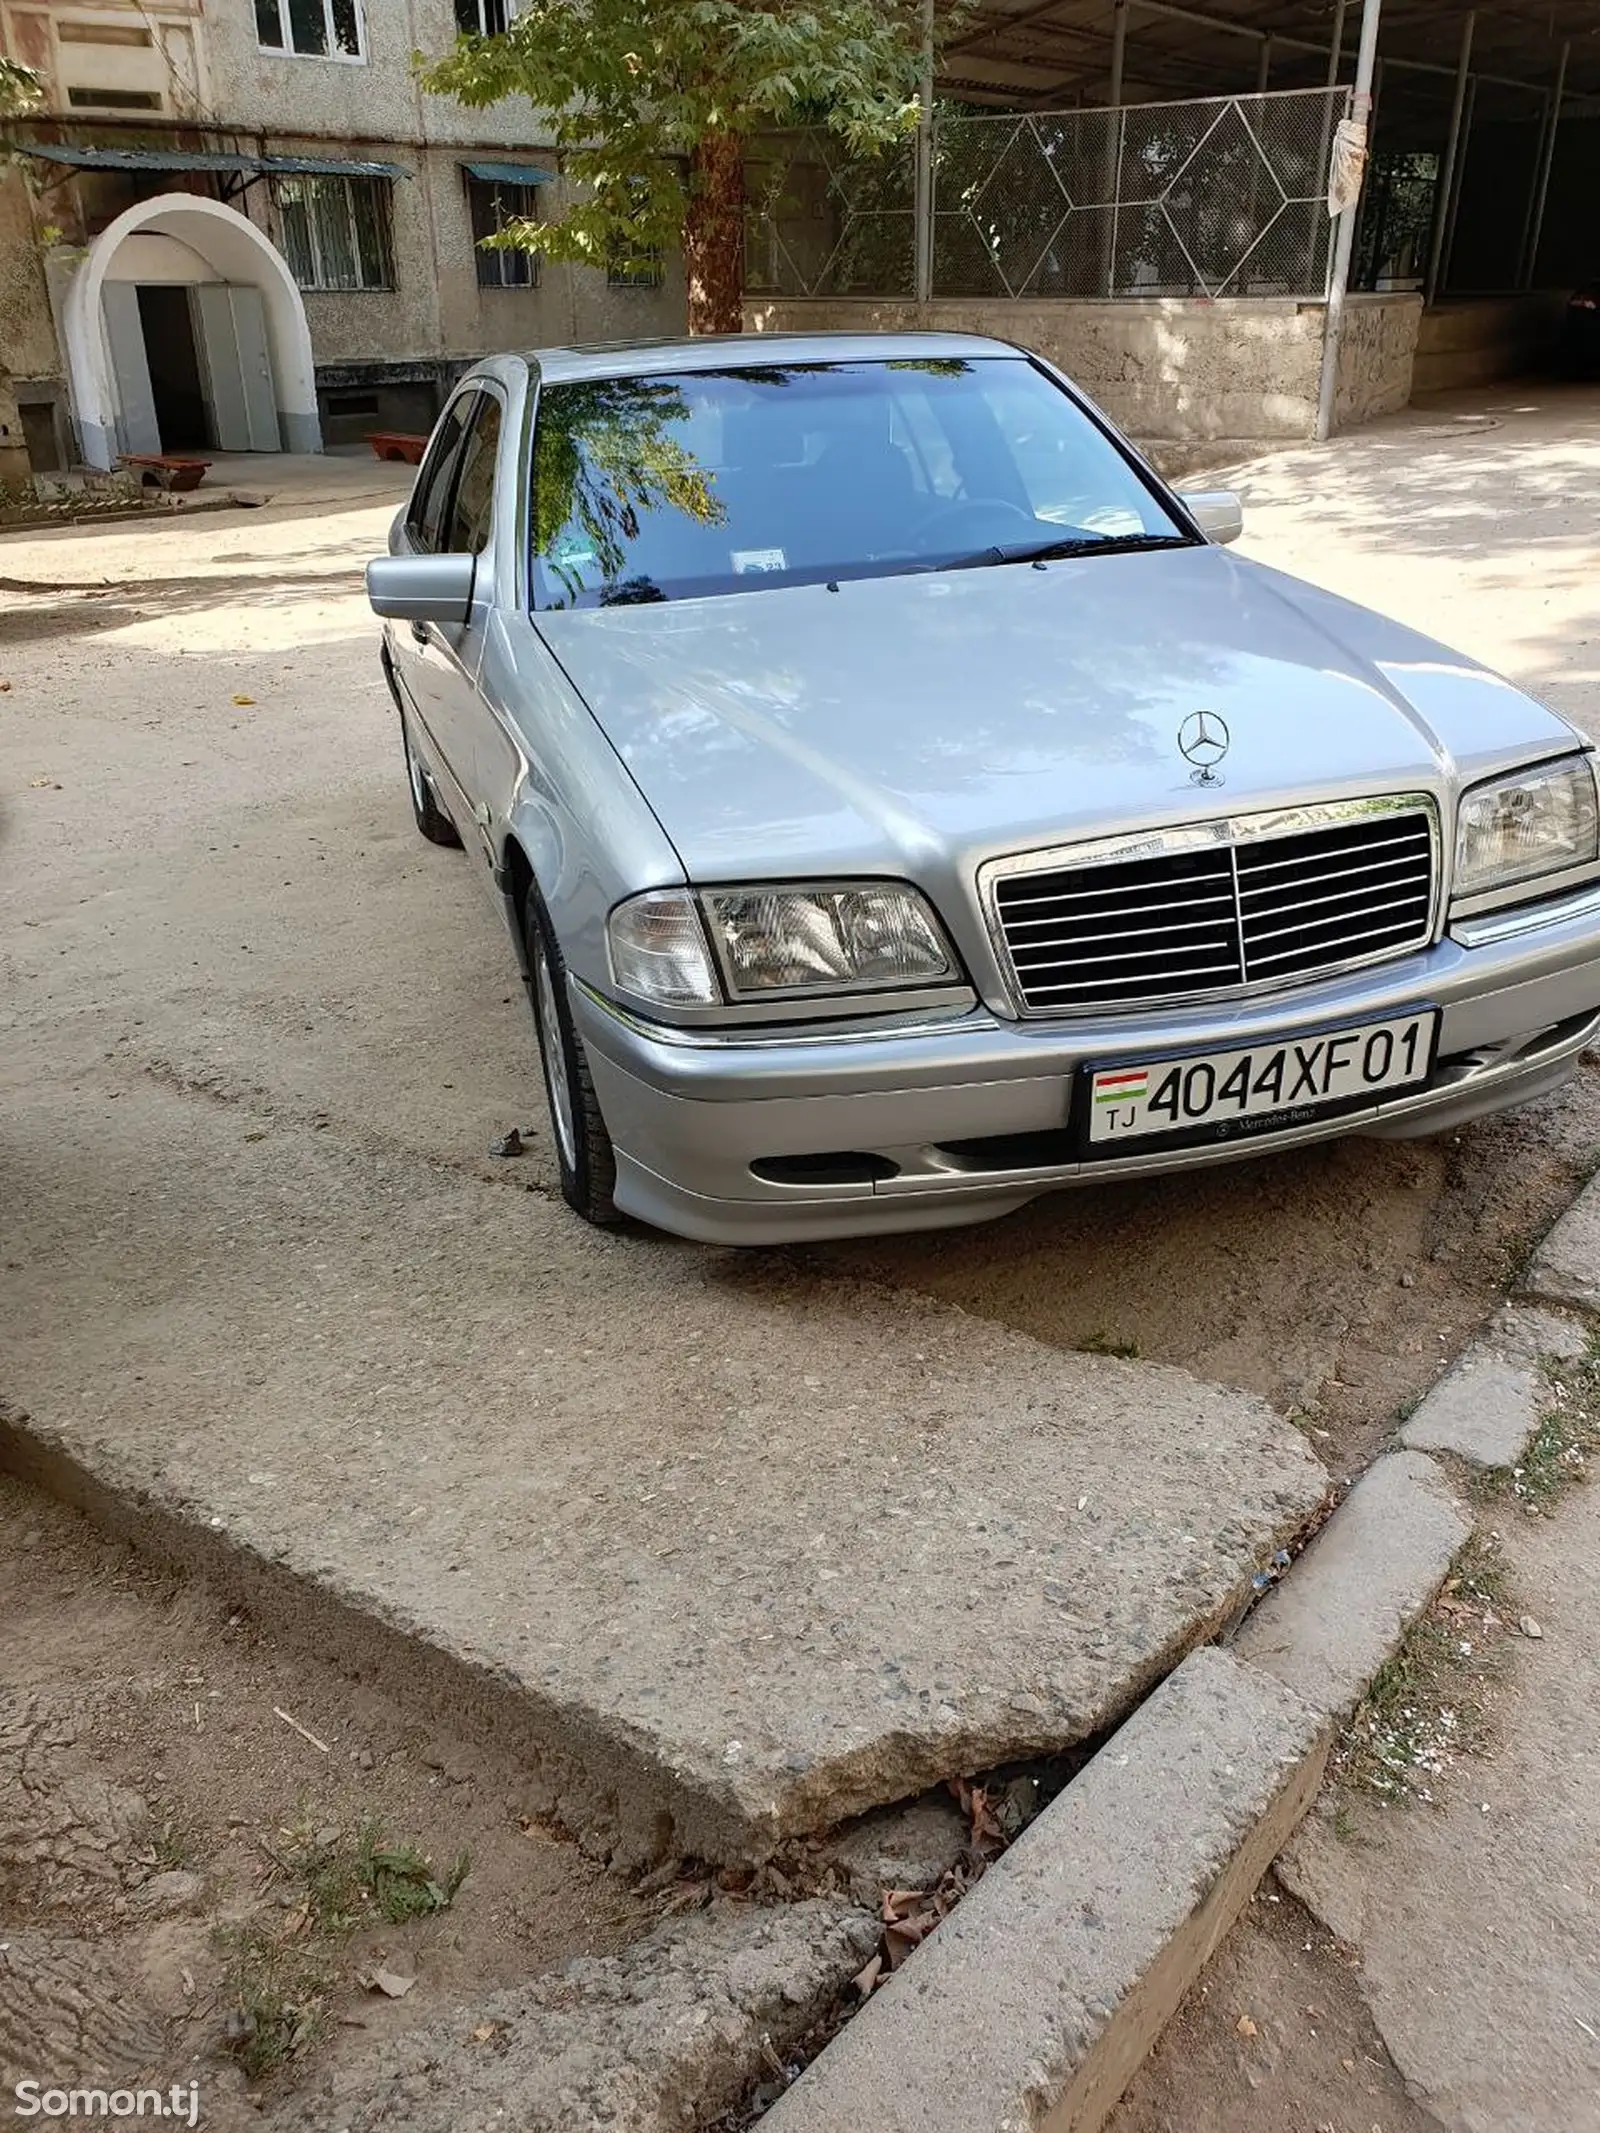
x: 741, y: 1557
x: 1566, y: 1267
x: 1034, y: 2003
x: 1344, y: 1607
x: 663, y: 2037
x: 1487, y: 1405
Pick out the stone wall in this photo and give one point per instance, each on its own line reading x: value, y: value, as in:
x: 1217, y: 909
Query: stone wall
x: 1168, y: 369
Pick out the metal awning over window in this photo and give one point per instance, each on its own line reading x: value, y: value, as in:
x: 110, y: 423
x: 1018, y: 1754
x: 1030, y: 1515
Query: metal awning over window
x: 224, y: 163
x: 510, y: 173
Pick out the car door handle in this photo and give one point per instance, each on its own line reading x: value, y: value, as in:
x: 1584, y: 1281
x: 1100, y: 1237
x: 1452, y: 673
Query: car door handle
x: 422, y: 633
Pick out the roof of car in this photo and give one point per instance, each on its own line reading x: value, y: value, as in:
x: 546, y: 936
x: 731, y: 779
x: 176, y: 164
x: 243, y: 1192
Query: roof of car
x: 621, y: 359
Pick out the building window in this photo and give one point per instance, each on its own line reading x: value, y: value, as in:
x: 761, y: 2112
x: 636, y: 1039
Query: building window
x: 642, y: 270
x: 335, y: 231
x: 481, y: 18
x: 315, y: 29
x: 493, y: 206
x: 103, y: 33
x: 82, y: 98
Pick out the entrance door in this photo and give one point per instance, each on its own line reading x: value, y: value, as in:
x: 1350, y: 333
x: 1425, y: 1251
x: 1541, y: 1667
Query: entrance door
x: 237, y: 366
x: 137, y: 428
x: 173, y: 361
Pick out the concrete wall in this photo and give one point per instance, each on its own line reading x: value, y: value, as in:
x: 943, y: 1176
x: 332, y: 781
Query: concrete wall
x: 27, y: 332
x: 1170, y: 369
x: 1377, y: 350
x: 1470, y: 340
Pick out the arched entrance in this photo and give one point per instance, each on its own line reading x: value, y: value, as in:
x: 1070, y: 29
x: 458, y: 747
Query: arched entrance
x: 184, y: 330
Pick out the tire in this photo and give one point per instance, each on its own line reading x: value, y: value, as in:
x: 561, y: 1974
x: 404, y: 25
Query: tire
x: 430, y: 817
x: 583, y: 1146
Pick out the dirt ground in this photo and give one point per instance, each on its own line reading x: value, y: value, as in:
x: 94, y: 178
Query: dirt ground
x: 150, y: 1791
x: 1337, y: 1282
x: 1276, y: 2038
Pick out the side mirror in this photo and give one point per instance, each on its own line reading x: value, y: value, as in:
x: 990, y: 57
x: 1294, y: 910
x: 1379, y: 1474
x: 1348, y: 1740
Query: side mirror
x: 1217, y: 512
x: 421, y: 588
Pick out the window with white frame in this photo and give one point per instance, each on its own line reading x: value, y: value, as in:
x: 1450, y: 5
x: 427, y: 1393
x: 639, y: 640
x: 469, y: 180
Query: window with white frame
x: 312, y: 29
x: 494, y: 205
x: 481, y: 18
x: 334, y: 231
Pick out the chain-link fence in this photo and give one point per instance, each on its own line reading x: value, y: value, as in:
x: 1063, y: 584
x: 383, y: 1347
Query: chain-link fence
x: 1224, y: 196
x: 820, y: 223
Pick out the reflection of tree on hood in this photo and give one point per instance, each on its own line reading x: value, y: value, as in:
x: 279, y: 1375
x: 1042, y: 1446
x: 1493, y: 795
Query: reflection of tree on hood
x: 604, y: 455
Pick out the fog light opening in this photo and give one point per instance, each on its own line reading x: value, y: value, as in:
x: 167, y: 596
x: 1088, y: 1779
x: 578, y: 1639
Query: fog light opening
x: 845, y: 1166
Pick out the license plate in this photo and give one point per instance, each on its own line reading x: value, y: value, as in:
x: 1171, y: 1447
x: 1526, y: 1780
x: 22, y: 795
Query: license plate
x: 1267, y: 1088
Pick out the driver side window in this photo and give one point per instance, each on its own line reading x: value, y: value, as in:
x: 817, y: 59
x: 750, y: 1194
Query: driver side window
x: 430, y: 499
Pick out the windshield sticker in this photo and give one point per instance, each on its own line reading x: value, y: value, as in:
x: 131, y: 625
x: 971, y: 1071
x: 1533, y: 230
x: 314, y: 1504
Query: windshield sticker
x: 576, y: 552
x: 745, y: 560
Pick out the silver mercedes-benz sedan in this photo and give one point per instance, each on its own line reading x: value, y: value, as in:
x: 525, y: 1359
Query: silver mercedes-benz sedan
x: 903, y: 805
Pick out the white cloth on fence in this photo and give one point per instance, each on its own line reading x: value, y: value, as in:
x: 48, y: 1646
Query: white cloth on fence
x: 1348, y: 165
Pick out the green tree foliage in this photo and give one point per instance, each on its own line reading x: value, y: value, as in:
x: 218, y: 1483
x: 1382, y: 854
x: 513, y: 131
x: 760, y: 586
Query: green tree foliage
x: 651, y: 103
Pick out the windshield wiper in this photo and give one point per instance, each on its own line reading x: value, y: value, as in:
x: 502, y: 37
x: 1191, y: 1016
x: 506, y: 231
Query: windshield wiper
x: 1074, y: 544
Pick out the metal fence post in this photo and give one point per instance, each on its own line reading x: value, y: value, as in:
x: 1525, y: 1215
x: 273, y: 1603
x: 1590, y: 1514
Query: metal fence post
x: 1444, y: 193
x: 1113, y: 156
x: 923, y: 273
x: 1461, y: 172
x: 1333, y: 326
x: 1541, y: 183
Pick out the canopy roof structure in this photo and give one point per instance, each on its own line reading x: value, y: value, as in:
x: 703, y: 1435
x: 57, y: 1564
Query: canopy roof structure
x: 222, y: 162
x: 1051, y: 54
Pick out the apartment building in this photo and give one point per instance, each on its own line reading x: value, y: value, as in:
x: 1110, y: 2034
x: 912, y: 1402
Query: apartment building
x: 242, y: 225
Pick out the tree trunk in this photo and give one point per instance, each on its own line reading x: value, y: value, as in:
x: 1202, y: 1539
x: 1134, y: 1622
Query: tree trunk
x: 713, y: 235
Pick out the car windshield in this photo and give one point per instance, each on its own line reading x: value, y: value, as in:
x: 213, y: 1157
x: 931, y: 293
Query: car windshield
x: 718, y: 481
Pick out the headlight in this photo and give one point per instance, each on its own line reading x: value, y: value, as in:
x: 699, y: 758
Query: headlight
x: 844, y: 939
x: 1539, y: 822
x: 850, y: 937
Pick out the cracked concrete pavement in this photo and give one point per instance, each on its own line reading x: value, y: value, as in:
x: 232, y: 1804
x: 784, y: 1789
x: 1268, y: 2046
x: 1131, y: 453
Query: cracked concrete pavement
x: 749, y: 1548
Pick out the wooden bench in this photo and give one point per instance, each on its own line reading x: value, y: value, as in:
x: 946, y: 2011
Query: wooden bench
x: 167, y: 470
x: 398, y: 444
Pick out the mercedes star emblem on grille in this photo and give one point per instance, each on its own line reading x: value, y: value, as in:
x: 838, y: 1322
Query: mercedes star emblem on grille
x: 1203, y: 738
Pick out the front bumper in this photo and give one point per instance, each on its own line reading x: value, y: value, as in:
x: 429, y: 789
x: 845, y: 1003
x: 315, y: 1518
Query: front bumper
x: 741, y: 1139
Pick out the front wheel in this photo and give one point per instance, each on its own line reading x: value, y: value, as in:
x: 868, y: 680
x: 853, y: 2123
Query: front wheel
x: 583, y: 1146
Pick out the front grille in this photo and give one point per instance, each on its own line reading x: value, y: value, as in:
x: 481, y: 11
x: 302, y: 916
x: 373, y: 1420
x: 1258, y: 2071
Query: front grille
x: 1261, y: 900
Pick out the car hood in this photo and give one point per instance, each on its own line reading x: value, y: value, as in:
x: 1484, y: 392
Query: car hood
x: 918, y: 723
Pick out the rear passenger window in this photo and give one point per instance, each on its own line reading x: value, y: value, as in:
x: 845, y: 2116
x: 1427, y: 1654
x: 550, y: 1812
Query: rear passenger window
x: 472, y: 515
x: 430, y: 499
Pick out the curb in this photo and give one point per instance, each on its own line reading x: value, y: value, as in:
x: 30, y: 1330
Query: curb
x: 1487, y: 1405
x: 1038, y: 1999
x: 1035, y: 2002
